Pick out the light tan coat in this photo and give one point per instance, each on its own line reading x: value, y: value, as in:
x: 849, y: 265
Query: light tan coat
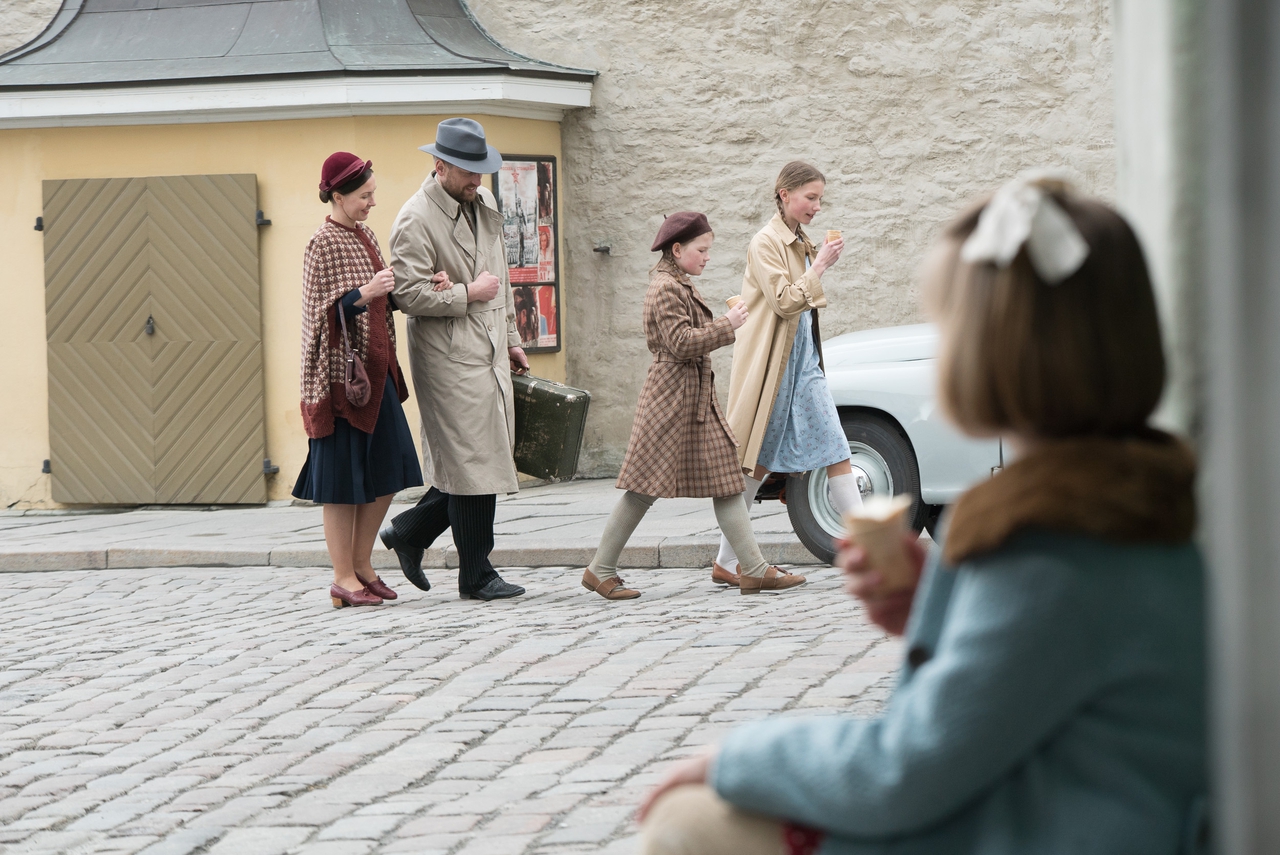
x: 777, y: 290
x: 458, y: 350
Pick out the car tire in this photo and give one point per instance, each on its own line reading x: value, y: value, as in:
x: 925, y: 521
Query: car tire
x: 884, y: 459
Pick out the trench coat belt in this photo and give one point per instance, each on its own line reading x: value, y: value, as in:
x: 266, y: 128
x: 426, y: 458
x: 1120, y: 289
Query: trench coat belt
x: 705, y: 383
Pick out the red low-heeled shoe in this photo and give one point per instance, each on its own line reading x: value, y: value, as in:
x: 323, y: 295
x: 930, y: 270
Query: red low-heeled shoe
x: 379, y: 588
x: 342, y: 597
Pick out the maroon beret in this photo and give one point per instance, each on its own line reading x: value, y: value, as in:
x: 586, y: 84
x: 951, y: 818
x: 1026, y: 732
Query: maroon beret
x: 339, y: 168
x: 681, y: 227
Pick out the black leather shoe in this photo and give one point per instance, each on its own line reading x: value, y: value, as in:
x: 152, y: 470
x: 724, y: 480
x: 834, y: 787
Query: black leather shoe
x: 498, y: 589
x: 410, y: 558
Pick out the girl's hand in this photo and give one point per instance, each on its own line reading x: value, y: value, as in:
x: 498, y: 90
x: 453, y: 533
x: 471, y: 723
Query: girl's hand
x: 441, y: 281
x: 828, y: 254
x: 888, y: 610
x: 691, y: 770
x: 737, y: 315
x: 379, y: 286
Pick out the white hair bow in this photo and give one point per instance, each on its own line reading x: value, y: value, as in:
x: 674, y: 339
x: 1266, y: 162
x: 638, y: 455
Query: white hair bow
x: 1023, y: 212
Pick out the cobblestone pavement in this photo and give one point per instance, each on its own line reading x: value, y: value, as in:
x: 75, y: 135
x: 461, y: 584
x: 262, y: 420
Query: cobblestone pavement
x: 235, y: 711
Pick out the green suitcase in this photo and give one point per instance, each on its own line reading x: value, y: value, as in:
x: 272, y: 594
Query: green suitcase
x: 550, y: 420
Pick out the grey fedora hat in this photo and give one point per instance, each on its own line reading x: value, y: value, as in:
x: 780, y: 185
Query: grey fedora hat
x: 461, y: 142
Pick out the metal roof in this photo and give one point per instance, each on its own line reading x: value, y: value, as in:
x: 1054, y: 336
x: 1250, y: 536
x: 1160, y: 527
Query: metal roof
x: 138, y: 42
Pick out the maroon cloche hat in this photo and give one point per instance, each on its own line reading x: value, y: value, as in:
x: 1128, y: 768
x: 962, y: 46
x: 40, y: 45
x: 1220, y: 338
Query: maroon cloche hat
x: 680, y: 227
x: 339, y: 168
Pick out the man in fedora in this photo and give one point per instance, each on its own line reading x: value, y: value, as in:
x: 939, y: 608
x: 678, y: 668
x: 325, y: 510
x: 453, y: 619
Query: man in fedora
x: 463, y: 346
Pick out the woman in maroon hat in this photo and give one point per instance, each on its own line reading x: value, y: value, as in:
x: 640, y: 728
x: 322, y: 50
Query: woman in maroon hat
x: 360, y: 454
x: 681, y: 444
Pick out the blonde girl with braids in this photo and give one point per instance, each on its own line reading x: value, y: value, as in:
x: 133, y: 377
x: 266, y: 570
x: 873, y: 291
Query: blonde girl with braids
x: 780, y: 408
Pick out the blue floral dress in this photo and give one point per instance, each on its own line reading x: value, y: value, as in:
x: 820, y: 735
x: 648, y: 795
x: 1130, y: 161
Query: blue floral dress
x: 804, y: 428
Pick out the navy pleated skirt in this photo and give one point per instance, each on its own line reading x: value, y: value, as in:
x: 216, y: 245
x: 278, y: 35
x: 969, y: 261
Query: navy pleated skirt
x: 351, y: 467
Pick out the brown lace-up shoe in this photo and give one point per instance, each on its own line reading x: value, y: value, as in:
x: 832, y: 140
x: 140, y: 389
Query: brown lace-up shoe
x: 721, y: 576
x: 611, y: 589
x: 379, y: 588
x: 774, y: 579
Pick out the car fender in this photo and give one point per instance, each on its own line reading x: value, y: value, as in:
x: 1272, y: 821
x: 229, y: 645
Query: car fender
x: 949, y: 461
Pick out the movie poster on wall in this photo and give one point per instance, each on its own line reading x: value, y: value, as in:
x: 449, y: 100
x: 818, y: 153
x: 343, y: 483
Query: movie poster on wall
x: 525, y: 187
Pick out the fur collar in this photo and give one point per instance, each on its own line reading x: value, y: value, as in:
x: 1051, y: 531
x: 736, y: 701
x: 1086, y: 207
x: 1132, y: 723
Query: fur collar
x: 1136, y: 489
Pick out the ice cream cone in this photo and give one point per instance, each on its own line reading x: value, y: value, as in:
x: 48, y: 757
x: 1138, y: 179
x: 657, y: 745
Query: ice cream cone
x: 878, y: 527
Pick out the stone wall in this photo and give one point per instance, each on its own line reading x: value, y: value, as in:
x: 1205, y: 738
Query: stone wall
x: 22, y: 20
x: 910, y: 108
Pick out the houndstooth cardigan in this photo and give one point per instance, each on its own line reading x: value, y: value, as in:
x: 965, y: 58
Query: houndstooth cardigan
x: 339, y: 259
x: 681, y: 444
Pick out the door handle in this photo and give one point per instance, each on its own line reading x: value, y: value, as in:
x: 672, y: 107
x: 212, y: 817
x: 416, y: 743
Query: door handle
x: 151, y: 325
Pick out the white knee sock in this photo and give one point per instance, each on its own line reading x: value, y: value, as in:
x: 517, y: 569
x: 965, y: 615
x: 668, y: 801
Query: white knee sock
x: 844, y: 493
x: 727, y: 558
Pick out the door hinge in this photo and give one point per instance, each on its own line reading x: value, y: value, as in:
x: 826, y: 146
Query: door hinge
x: 45, y: 469
x: 268, y: 468
x: 260, y: 220
x: 39, y: 224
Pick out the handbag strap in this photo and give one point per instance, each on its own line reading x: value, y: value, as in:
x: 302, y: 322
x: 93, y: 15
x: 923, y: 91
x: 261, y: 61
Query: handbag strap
x: 342, y: 318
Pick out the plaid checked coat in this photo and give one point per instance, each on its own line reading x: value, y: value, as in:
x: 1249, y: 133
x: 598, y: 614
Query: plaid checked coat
x: 681, y: 444
x: 340, y: 259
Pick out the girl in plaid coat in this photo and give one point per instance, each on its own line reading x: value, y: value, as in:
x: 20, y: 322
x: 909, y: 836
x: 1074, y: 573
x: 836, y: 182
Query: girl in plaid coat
x: 681, y: 443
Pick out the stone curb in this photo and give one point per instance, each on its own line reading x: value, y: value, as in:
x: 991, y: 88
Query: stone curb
x: 641, y: 553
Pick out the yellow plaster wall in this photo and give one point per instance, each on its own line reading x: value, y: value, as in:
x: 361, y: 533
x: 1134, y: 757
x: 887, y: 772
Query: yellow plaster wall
x: 286, y: 156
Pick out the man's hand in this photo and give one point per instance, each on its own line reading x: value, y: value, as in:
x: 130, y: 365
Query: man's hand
x: 888, y: 610
x: 691, y: 770
x: 485, y: 288
x: 519, y: 361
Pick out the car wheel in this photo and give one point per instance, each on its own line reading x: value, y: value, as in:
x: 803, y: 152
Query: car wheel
x: 883, y: 464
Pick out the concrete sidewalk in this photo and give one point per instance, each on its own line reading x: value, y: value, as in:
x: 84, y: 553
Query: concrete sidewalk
x: 553, y: 525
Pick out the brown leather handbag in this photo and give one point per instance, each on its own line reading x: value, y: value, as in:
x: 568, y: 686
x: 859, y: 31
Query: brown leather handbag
x: 356, y: 378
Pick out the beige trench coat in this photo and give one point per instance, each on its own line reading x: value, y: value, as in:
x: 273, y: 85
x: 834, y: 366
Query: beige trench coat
x: 777, y: 289
x: 458, y: 350
x: 680, y: 444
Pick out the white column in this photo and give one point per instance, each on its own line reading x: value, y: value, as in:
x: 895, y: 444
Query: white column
x: 1198, y: 142
x: 1241, y: 464
x: 1157, y: 179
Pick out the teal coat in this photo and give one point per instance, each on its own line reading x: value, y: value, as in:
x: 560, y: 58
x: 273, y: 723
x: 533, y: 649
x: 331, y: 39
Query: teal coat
x: 1053, y: 702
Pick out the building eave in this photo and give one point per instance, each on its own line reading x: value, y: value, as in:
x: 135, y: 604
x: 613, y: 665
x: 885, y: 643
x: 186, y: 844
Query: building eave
x: 231, y: 100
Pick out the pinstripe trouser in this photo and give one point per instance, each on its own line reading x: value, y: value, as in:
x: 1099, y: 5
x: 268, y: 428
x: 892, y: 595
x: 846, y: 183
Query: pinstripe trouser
x: 470, y: 517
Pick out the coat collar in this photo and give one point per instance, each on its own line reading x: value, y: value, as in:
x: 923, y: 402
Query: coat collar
x: 785, y: 234
x: 432, y: 190
x: 1133, y: 490
x: 673, y: 270
x: 467, y: 240
x: 452, y: 208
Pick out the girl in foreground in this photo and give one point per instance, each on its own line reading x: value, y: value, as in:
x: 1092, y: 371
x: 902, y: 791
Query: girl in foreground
x: 680, y: 444
x: 1053, y: 696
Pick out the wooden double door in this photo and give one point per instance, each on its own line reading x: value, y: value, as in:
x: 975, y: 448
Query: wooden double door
x: 153, y: 312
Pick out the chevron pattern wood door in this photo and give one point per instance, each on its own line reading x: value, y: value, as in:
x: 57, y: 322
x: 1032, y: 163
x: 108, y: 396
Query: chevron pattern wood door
x: 174, y: 414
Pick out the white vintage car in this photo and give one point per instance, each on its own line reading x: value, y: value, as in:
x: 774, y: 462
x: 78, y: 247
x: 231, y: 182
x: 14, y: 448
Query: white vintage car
x: 899, y: 442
